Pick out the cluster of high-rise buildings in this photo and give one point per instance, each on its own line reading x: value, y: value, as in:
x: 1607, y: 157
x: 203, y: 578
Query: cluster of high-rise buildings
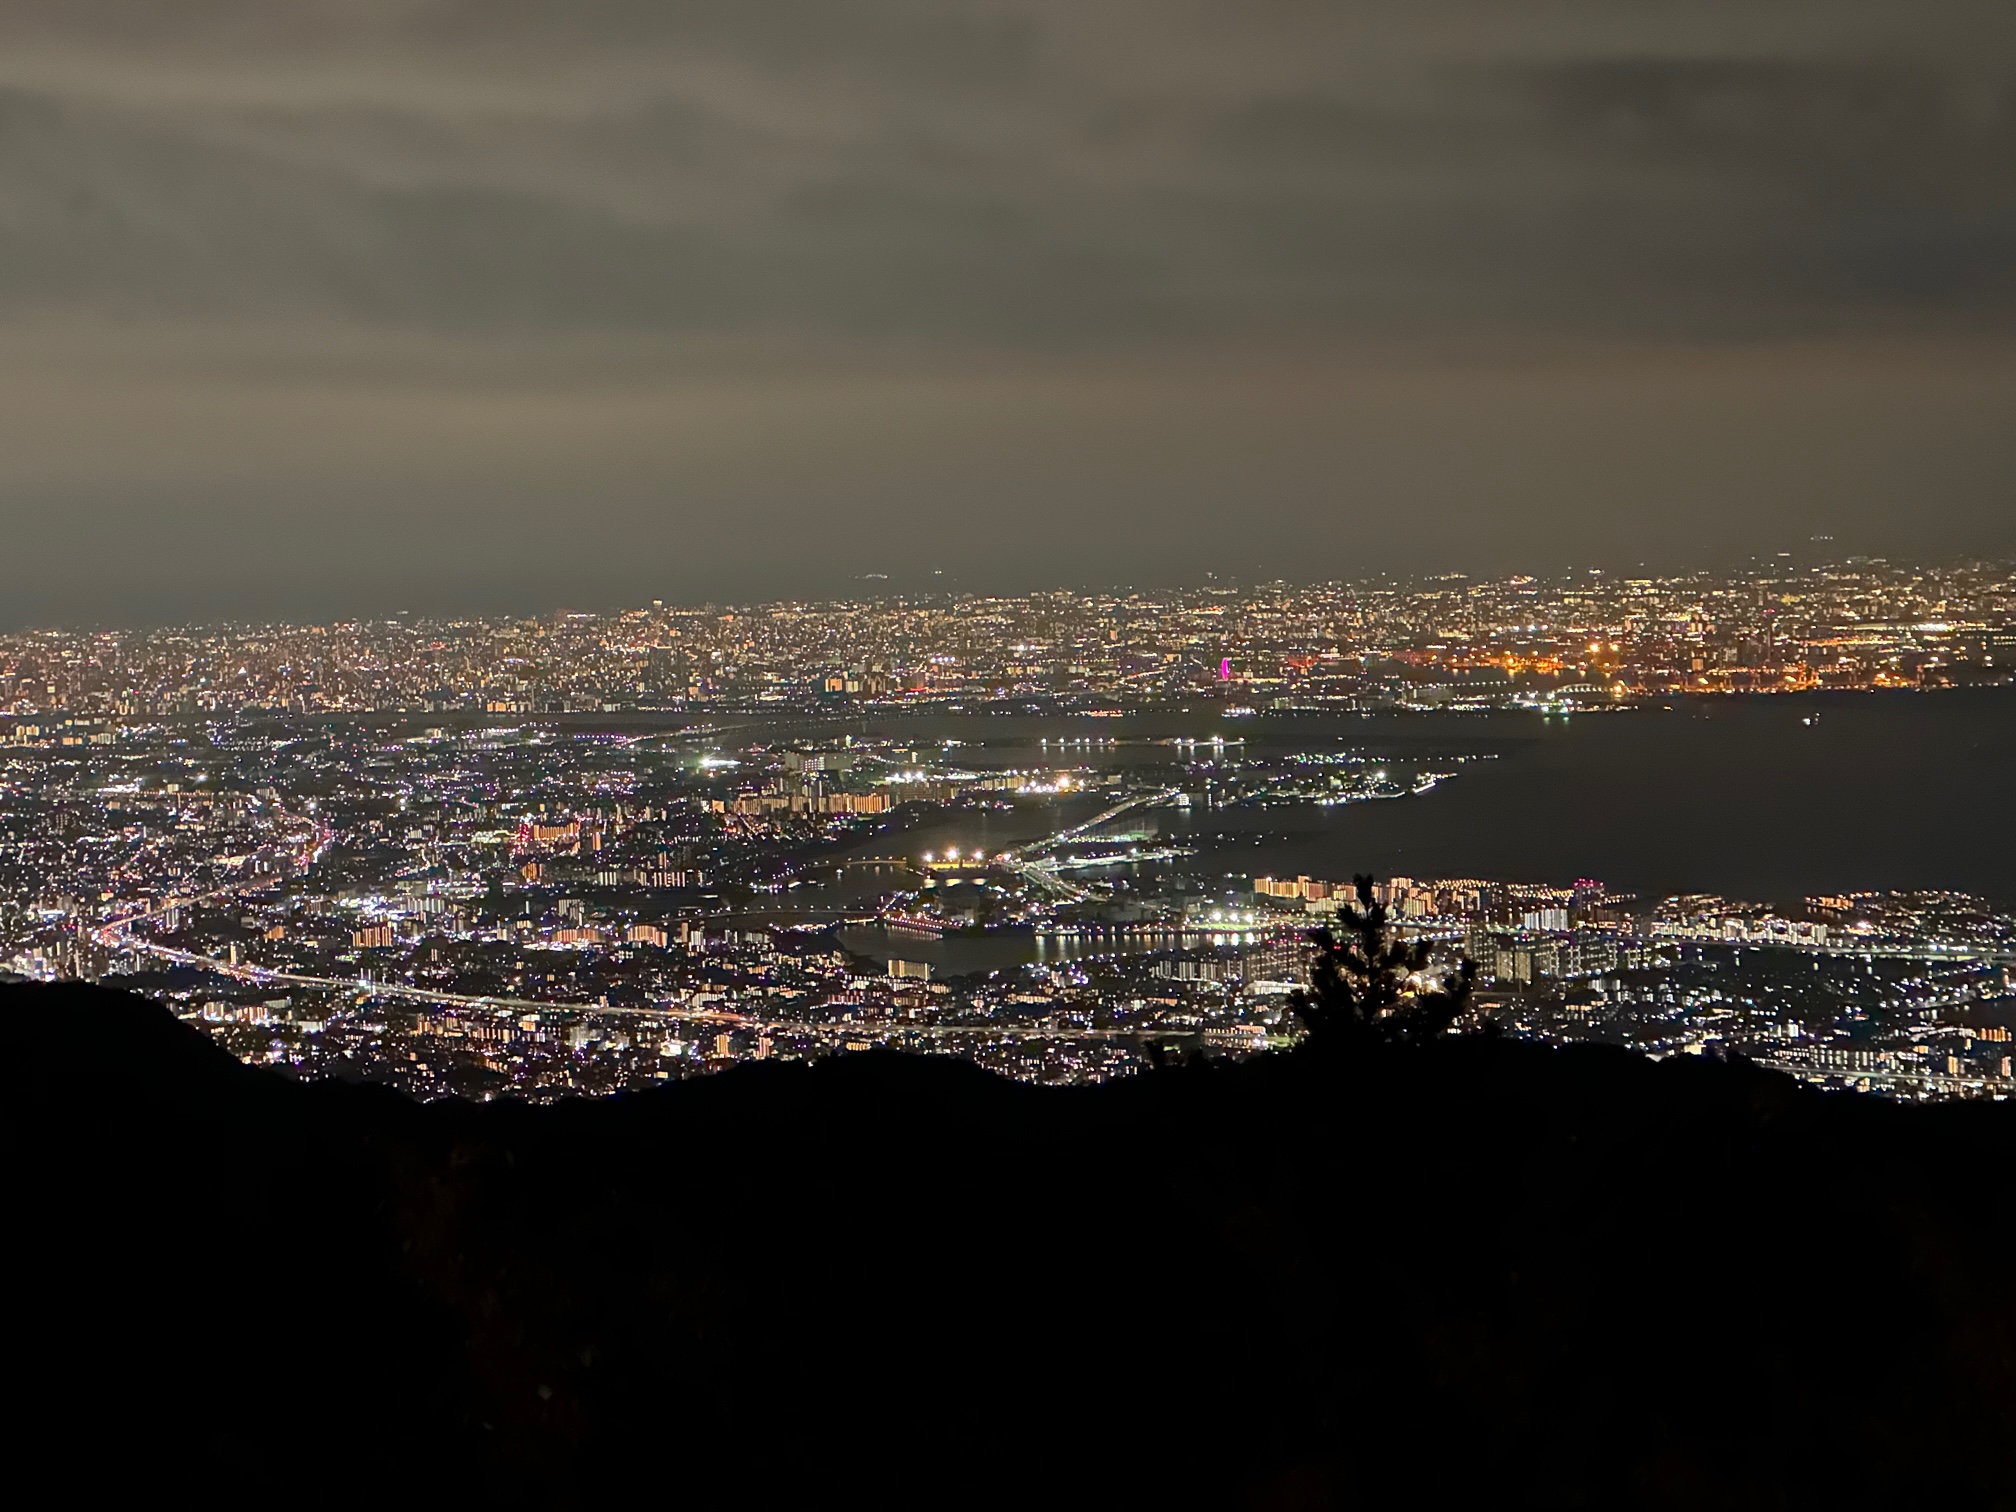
x: 1893, y: 990
x: 1445, y: 640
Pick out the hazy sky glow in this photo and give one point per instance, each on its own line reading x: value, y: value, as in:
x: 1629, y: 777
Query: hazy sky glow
x: 323, y: 306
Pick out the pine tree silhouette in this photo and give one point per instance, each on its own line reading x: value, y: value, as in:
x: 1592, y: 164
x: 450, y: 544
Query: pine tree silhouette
x: 1367, y: 986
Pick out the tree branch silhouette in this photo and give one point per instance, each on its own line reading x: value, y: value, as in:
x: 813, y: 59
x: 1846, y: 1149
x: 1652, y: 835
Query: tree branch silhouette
x: 1367, y: 986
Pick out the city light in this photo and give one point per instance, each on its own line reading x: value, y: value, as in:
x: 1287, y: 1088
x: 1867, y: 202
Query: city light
x: 485, y: 857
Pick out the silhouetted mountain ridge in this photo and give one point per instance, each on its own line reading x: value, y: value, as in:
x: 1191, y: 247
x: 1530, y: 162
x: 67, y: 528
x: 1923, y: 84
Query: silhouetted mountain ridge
x: 1561, y: 1277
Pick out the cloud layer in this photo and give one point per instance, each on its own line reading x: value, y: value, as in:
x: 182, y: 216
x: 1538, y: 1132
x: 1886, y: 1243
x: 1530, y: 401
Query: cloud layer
x: 922, y: 270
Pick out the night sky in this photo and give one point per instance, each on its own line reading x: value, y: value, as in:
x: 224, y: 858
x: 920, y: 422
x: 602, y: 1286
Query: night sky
x: 312, y: 307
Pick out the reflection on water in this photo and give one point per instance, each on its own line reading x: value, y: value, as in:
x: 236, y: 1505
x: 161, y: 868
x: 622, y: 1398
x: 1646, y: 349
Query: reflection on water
x: 957, y: 954
x: 950, y: 955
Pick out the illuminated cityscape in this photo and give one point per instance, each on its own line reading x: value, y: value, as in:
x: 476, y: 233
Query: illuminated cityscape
x: 601, y: 851
x: 1583, y: 640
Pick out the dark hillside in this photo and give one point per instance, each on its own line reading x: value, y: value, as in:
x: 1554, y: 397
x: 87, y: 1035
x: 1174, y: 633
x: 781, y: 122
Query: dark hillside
x: 1563, y: 1278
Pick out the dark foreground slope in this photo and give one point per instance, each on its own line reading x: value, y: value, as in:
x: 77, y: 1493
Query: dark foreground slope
x: 1540, y: 1277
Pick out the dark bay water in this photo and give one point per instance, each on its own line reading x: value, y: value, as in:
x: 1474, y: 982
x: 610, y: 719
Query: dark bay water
x: 1736, y: 796
x: 958, y: 954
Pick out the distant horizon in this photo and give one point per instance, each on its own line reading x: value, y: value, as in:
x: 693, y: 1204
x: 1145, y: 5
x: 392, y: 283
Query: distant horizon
x: 878, y: 587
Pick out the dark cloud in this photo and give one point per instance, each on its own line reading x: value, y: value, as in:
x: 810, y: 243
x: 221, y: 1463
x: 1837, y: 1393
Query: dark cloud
x: 1867, y: 182
x: 363, y: 222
